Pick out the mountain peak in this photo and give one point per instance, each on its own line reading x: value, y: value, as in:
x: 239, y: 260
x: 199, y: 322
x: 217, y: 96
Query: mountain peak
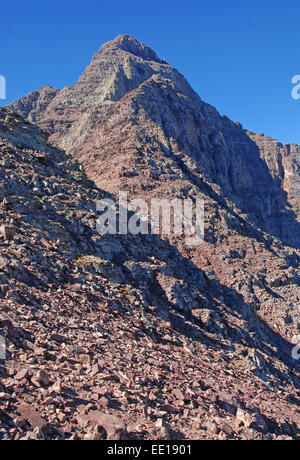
x: 129, y: 44
x: 148, y: 106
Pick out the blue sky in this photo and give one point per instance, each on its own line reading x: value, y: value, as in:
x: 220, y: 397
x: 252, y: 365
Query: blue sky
x: 239, y: 55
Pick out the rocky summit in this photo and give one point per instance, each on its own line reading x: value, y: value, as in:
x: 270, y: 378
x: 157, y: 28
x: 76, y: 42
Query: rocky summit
x: 142, y: 336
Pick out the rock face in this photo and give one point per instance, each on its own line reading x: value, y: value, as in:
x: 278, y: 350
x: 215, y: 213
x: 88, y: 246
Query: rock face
x: 36, y: 102
x: 132, y: 113
x: 165, y: 339
x: 284, y: 165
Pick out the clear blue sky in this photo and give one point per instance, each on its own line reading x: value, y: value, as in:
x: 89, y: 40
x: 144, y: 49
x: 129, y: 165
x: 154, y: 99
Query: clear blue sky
x: 239, y: 55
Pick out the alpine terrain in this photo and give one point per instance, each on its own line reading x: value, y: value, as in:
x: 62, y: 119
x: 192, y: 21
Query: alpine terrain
x: 143, y: 336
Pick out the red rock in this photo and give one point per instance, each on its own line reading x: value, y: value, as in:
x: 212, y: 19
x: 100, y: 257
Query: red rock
x: 96, y: 369
x: 32, y: 416
x: 178, y: 394
x: 168, y: 408
x: 41, y: 378
x: 104, y: 402
x: 114, y: 427
x: 57, y: 387
x: 23, y: 374
x: 7, y: 232
x: 58, y: 338
x: 243, y: 418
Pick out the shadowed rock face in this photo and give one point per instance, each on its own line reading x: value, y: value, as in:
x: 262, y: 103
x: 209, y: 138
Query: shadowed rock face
x: 132, y: 113
x: 284, y: 166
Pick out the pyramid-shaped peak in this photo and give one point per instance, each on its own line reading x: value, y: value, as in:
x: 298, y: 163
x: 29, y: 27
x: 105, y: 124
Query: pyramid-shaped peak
x: 129, y: 44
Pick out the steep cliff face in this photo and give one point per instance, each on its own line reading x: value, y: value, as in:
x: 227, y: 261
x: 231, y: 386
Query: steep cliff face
x: 132, y: 113
x: 284, y: 165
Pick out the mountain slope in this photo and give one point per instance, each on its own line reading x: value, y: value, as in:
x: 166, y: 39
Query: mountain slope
x: 136, y: 125
x: 230, y: 304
